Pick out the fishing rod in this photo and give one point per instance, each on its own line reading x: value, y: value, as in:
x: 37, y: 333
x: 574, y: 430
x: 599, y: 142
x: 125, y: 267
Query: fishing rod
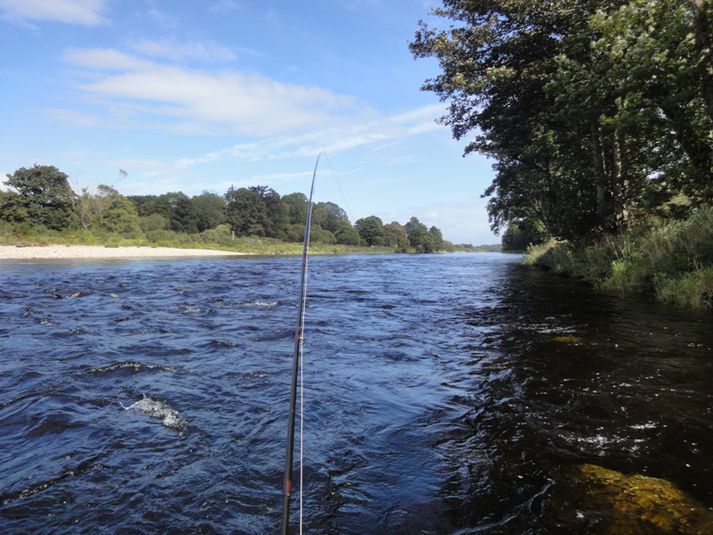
x: 297, y: 359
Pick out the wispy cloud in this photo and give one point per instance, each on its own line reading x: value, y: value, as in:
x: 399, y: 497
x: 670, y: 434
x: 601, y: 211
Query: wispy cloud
x: 225, y: 101
x: 82, y: 12
x: 225, y: 6
x: 70, y: 117
x: 371, y: 133
x: 206, y: 51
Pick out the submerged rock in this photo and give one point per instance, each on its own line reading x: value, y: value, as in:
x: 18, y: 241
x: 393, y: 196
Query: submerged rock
x: 634, y: 504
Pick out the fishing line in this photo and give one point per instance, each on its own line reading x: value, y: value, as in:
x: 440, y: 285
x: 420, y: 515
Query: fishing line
x: 298, y: 363
x: 349, y: 208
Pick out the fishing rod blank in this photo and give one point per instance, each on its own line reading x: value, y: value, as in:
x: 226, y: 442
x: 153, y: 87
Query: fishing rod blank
x: 299, y: 343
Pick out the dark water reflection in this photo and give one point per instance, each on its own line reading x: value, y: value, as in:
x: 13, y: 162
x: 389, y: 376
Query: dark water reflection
x: 444, y: 394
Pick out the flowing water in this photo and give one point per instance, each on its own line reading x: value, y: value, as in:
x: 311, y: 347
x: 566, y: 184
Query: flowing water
x: 444, y: 393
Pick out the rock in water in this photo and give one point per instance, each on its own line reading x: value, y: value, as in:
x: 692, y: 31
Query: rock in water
x: 635, y: 504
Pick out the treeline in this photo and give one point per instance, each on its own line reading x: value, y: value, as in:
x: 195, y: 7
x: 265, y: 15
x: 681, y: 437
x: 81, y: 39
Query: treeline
x: 598, y: 114
x: 41, y: 197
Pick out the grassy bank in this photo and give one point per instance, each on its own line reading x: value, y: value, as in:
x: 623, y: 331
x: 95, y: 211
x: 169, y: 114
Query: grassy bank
x: 25, y: 235
x: 673, y: 262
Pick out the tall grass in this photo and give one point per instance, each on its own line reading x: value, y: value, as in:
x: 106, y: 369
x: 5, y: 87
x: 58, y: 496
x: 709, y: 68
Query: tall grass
x: 672, y: 261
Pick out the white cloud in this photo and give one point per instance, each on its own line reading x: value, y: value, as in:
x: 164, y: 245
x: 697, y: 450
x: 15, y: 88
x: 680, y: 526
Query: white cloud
x: 207, y: 51
x: 107, y: 59
x: 83, y: 12
x: 373, y: 133
x: 225, y: 101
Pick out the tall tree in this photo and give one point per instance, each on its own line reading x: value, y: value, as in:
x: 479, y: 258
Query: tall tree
x: 115, y: 213
x: 45, y: 196
x: 296, y: 204
x: 209, y: 210
x: 330, y: 216
x: 245, y: 212
x: 587, y: 107
x: 371, y: 230
x: 395, y: 236
x: 419, y: 236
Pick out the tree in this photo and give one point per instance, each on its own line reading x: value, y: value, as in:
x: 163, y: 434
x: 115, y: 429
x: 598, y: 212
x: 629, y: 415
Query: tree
x: 245, y: 212
x: 296, y: 204
x: 419, y: 236
x: 371, y: 230
x: 523, y: 233
x: 589, y: 108
x: 116, y: 214
x: 45, y: 197
x: 182, y: 218
x: 395, y: 236
x: 276, y: 215
x: 436, y: 239
x: 348, y: 236
x: 209, y: 210
x: 330, y: 216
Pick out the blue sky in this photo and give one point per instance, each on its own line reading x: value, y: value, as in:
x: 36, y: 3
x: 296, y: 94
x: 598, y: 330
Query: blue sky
x: 199, y: 95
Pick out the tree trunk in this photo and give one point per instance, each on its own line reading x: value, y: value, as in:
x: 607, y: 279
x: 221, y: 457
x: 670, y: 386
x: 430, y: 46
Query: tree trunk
x: 600, y: 175
x: 703, y: 44
x: 699, y: 151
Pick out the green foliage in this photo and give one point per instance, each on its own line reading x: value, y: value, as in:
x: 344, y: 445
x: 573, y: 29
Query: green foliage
x: 421, y: 238
x: 209, y: 210
x: 245, y: 212
x: 693, y: 290
x: 348, y: 236
x: 330, y: 217
x: 436, y: 239
x: 296, y: 204
x: 43, y: 197
x: 371, y: 230
x: 117, y: 214
x: 256, y: 211
x: 319, y: 235
x: 175, y: 206
x: 395, y: 236
x: 244, y: 217
x: 592, y: 110
x: 671, y: 259
x: 295, y: 233
x: 523, y: 233
x: 153, y: 222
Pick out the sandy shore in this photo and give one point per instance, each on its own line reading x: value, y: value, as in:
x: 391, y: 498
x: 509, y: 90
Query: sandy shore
x: 11, y: 252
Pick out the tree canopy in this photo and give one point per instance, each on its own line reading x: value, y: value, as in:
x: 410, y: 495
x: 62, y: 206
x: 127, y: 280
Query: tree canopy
x: 593, y: 111
x: 41, y: 196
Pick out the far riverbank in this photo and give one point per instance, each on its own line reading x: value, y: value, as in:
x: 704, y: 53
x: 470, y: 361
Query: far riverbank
x: 48, y: 252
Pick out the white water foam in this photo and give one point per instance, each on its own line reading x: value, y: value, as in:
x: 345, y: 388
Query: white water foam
x: 158, y: 409
x: 262, y: 304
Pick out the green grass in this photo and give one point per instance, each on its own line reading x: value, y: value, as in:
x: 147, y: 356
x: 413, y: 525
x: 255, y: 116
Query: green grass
x: 672, y: 261
x: 26, y: 235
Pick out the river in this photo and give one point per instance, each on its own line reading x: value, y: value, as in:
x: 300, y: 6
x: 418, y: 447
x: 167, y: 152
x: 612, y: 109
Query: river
x: 444, y: 394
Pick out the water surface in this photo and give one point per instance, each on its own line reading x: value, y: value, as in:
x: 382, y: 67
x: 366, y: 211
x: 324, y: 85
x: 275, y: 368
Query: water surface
x: 444, y: 393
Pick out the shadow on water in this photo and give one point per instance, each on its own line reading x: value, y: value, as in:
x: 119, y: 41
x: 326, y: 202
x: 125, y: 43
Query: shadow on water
x: 447, y: 393
x: 560, y: 376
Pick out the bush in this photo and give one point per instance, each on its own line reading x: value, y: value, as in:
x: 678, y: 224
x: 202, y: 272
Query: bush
x: 694, y: 289
x: 673, y: 261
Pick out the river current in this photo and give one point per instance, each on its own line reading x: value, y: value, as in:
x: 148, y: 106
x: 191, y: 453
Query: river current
x: 443, y: 394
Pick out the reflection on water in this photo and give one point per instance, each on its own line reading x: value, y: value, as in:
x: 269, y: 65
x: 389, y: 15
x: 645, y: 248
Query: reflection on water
x: 446, y: 393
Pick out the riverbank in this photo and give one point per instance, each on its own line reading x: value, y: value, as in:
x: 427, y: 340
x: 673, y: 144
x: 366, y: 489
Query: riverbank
x: 222, y: 243
x: 672, y: 262
x: 70, y: 252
